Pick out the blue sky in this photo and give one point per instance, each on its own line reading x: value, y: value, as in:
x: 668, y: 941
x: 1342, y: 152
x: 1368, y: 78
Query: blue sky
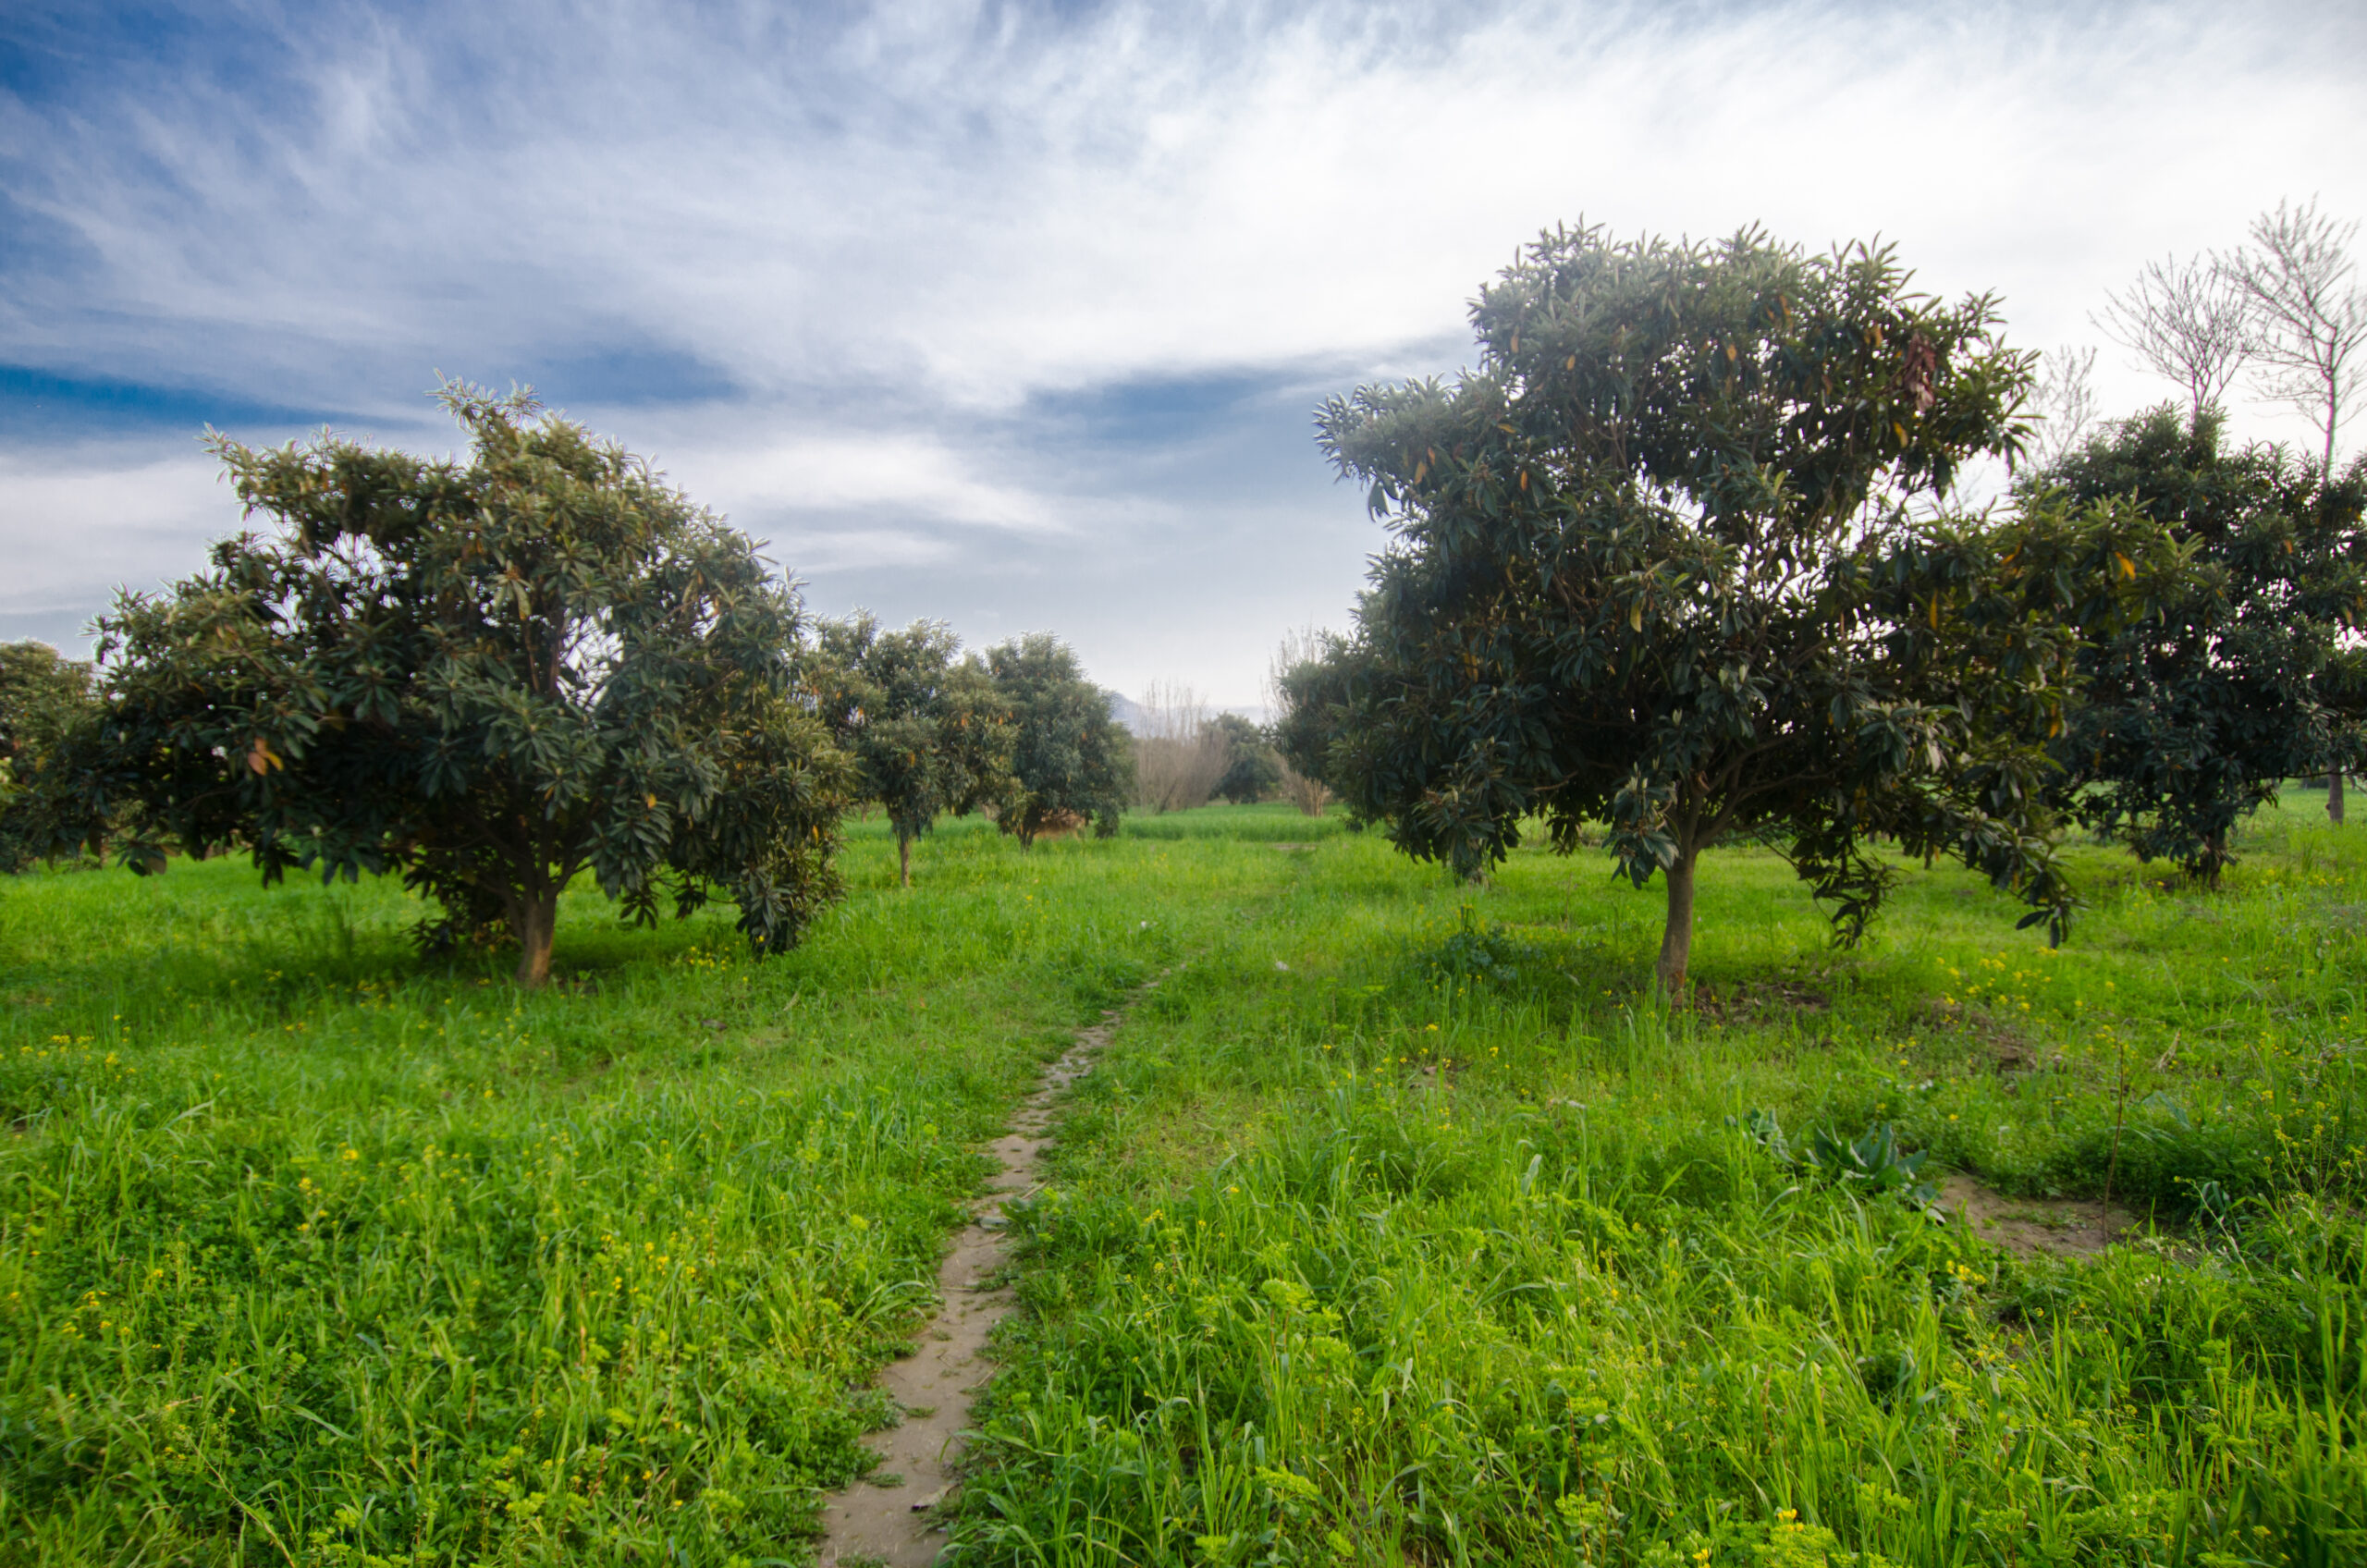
x: 1013, y: 314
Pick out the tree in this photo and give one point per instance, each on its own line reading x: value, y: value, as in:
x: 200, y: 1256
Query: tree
x: 491, y: 676
x: 2186, y: 321
x: 2064, y: 402
x: 43, y: 699
x: 1071, y: 760
x: 928, y: 732
x: 1653, y: 566
x: 2192, y: 716
x: 2310, y: 318
x: 1250, y: 771
x: 1178, y: 757
x: 1297, y: 728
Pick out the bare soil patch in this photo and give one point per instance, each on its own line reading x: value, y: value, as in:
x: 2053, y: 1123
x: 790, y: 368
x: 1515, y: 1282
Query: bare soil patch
x: 2036, y: 1227
x: 1756, y: 1002
x: 892, y: 1519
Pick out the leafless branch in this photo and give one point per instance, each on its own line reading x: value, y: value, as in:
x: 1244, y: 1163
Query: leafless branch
x: 2184, y: 321
x: 2065, y: 396
x: 1178, y: 754
x: 2295, y: 276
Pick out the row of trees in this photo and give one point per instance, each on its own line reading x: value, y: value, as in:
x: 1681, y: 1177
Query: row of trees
x: 495, y: 677
x: 1186, y: 755
x: 1017, y: 732
x: 1680, y: 558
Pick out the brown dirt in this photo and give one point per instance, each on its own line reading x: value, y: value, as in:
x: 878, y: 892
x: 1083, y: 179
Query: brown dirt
x: 892, y: 1520
x: 2036, y: 1227
x: 1755, y: 1002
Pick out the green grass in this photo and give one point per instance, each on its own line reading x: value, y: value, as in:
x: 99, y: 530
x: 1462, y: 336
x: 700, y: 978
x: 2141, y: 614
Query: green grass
x: 1263, y: 824
x: 1398, y: 1226
x: 310, y: 1252
x: 1403, y: 1227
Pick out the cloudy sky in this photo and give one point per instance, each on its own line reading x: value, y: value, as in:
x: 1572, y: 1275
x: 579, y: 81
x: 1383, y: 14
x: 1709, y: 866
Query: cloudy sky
x: 1014, y: 315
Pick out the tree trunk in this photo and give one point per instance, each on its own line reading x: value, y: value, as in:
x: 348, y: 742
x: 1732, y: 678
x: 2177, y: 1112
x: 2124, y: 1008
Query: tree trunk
x: 1676, y: 940
x: 534, y: 924
x: 904, y: 859
x: 2334, y: 799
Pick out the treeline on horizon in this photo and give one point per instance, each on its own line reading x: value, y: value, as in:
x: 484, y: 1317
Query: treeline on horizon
x: 1675, y: 565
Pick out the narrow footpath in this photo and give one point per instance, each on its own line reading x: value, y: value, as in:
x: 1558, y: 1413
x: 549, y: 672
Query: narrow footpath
x: 896, y: 1525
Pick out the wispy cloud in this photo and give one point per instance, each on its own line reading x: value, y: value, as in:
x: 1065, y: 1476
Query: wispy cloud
x: 1017, y: 307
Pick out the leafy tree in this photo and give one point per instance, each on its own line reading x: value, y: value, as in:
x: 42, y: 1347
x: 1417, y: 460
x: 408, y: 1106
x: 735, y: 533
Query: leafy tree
x: 43, y: 698
x: 2239, y: 680
x: 491, y: 675
x: 1300, y: 704
x: 1071, y: 759
x: 1654, y: 567
x: 1250, y: 771
x: 928, y: 732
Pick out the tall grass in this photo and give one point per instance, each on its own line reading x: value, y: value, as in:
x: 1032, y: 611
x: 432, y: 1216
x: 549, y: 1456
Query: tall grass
x: 1398, y: 1225
x: 312, y: 1253
x: 1403, y: 1227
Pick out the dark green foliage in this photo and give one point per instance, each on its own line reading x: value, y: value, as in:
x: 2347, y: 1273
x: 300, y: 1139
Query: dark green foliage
x: 1872, y: 1163
x: 1251, y: 774
x: 1312, y: 694
x: 928, y: 732
x: 1654, y: 567
x: 1476, y: 951
x: 491, y: 675
x: 2240, y: 677
x: 1072, y: 761
x: 42, y: 698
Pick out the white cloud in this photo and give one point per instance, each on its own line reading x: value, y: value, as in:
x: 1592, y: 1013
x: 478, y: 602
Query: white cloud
x: 80, y: 523
x: 906, y: 475
x: 894, y: 237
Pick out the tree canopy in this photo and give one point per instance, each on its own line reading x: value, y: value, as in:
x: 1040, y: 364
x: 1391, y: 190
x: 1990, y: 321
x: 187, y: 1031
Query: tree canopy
x: 492, y: 675
x: 43, y: 698
x: 928, y: 731
x: 1658, y: 563
x: 2246, y: 674
x: 1071, y: 760
x: 1251, y: 772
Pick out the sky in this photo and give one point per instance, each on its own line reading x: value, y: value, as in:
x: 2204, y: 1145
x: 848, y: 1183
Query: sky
x: 1015, y: 316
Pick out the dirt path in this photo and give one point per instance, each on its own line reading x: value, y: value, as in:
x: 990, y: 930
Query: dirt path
x: 894, y: 1523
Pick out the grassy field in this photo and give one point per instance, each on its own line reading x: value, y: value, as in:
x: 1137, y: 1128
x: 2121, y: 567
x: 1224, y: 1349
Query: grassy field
x: 1397, y: 1226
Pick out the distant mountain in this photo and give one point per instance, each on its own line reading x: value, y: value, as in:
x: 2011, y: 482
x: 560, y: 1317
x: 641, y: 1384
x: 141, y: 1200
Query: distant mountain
x: 1125, y: 710
x: 1129, y: 712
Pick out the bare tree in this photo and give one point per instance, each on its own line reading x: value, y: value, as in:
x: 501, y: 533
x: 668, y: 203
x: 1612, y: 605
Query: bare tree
x: 1178, y: 754
x: 1299, y: 646
x: 2186, y: 321
x: 2066, y: 397
x: 2310, y: 318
